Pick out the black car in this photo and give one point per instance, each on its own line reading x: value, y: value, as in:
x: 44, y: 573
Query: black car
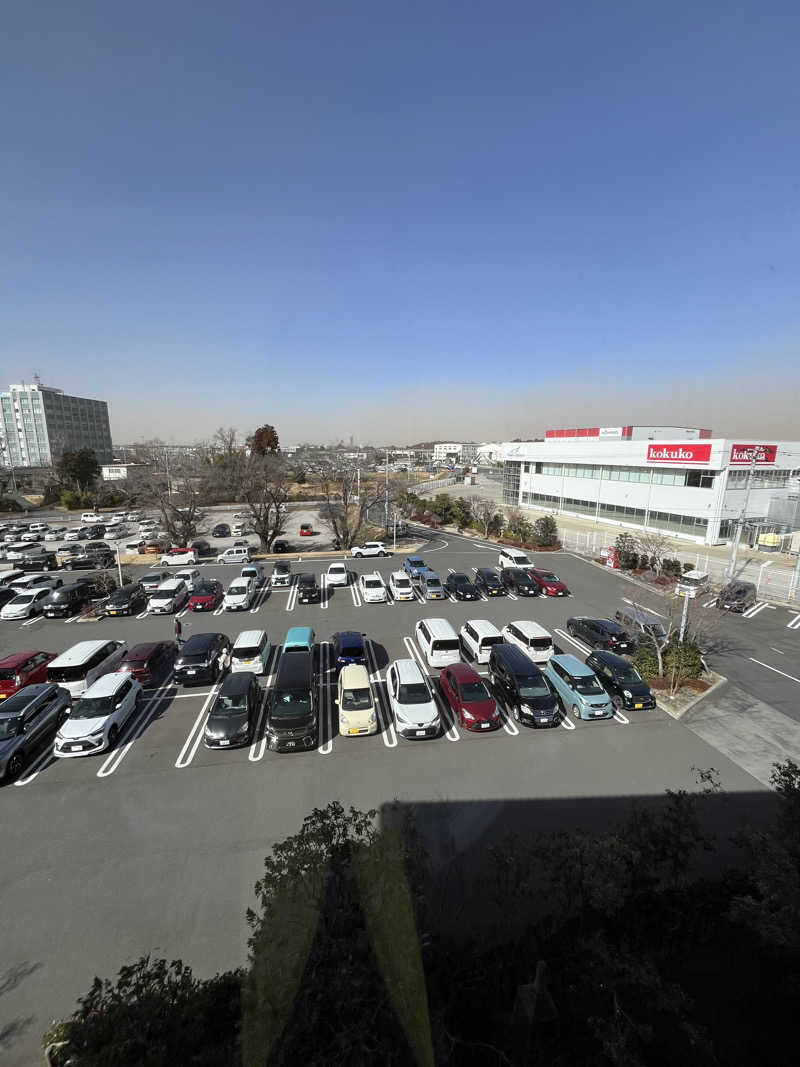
x: 601, y: 633
x: 488, y: 581
x: 621, y: 681
x: 522, y: 687
x: 89, y: 561
x: 68, y: 600
x: 737, y: 596
x: 460, y: 587
x: 292, y: 707
x: 234, y: 714
x: 518, y: 581
x: 97, y: 546
x: 127, y: 600
x: 222, y: 529
x: 348, y: 647
x: 201, y: 547
x: 6, y: 594
x: 43, y: 561
x: 28, y: 720
x: 199, y: 659
x: 307, y: 588
x: 96, y: 531
x: 281, y: 546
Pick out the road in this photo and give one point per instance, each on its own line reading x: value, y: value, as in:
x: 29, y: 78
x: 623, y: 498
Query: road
x: 156, y: 846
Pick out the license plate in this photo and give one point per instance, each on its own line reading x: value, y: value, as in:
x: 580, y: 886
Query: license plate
x: 247, y: 662
x: 191, y: 672
x: 598, y: 712
x: 638, y: 705
x: 485, y: 725
x: 351, y: 731
x: 74, y: 748
x: 420, y: 733
x: 113, y: 613
x: 224, y: 742
x: 544, y: 721
x: 290, y: 744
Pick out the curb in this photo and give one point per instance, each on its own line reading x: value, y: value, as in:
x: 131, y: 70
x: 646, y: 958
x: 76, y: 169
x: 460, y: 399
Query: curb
x: 663, y: 702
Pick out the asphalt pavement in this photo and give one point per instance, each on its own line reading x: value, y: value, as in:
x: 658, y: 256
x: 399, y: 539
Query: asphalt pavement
x: 155, y: 847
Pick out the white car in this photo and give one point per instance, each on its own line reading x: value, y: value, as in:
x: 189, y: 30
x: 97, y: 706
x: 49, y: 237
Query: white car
x: 7, y: 577
x: 400, y: 586
x: 337, y: 574
x: 133, y: 516
x: 56, y: 533
x: 191, y: 576
x: 357, y: 713
x: 254, y: 571
x: 25, y: 605
x: 116, y: 530
x: 79, y: 533
x: 372, y: 589
x: 179, y: 559
x: 18, y: 549
x: 513, y: 557
x: 281, y: 577
x: 91, y: 517
x: 32, y: 535
x: 411, y: 702
x: 119, y: 517
x: 38, y: 527
x: 170, y: 597
x: 369, y: 548
x: 238, y: 529
x: 147, y: 524
x: 239, y: 594
x: 97, y: 717
x: 35, y: 581
x: 234, y: 555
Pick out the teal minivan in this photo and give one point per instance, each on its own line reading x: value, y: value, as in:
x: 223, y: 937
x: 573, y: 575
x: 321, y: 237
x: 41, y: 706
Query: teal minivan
x: 578, y: 688
x: 299, y: 639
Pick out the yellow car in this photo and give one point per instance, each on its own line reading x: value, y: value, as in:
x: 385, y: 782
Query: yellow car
x: 357, y: 714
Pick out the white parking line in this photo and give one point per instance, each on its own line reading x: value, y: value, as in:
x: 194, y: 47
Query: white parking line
x: 323, y: 592
x: 181, y: 613
x: 290, y: 603
x: 192, y: 742
x: 508, y: 725
x: 72, y: 618
x: 259, y: 600
x: 38, y: 765
x: 387, y: 732
x: 564, y: 719
x: 652, y: 611
x: 326, y: 717
x: 574, y: 641
x: 259, y: 745
x: 794, y: 624
x: 136, y: 730
x: 143, y: 614
x: 30, y: 622
x: 353, y: 586
x: 451, y: 733
x: 754, y: 610
x: 708, y: 603
x: 791, y: 677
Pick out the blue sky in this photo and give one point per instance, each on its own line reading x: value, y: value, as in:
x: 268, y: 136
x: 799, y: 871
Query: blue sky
x: 403, y: 221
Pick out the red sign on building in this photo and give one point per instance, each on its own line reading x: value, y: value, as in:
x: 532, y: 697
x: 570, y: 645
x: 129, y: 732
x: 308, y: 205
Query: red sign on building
x: 688, y: 452
x: 743, y: 454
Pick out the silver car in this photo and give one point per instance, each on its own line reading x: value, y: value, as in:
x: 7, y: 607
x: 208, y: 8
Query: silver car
x: 27, y: 719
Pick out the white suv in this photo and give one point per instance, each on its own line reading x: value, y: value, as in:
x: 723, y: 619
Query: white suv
x: 513, y: 557
x: 413, y: 708
x: 239, y: 594
x: 369, y: 548
x: 98, y: 715
x: 372, y: 589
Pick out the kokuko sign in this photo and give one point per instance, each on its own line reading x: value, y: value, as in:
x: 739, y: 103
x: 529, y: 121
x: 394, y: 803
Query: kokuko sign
x: 683, y: 453
x: 743, y: 454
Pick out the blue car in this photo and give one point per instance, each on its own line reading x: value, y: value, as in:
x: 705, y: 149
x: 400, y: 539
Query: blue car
x: 414, y: 566
x: 348, y: 647
x: 578, y: 688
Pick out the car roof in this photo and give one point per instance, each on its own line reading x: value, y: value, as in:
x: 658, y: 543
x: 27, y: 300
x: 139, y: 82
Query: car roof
x: 249, y: 637
x: 78, y: 653
x: 169, y: 584
x: 353, y: 674
x: 23, y: 697
x: 487, y: 570
x: 463, y: 671
x: 399, y: 574
x: 236, y: 683
x: 147, y: 648
x: 298, y: 635
x: 609, y: 658
x: 408, y: 670
x: 199, y: 642
x: 482, y: 627
x: 16, y: 659
x: 306, y: 576
x: 439, y: 627
x: 349, y: 637
x: 572, y: 665
x: 414, y: 559
x: 460, y: 574
x: 370, y: 574
x: 106, y: 684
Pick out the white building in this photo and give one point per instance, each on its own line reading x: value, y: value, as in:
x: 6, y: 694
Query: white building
x: 38, y: 424
x: 459, y: 453
x: 677, y: 480
x: 489, y: 452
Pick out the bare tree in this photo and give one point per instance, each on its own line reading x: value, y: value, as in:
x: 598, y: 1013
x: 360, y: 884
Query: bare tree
x: 485, y: 514
x: 226, y: 440
x: 264, y: 487
x: 180, y: 504
x: 655, y: 546
x: 343, y: 509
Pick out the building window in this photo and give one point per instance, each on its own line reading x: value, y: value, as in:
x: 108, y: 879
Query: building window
x: 511, y: 475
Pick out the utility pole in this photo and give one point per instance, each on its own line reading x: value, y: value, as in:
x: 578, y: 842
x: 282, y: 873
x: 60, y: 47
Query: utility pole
x: 169, y: 480
x: 387, y: 490
x: 119, y: 565
x: 684, y: 616
x: 737, y: 535
x: 795, y: 578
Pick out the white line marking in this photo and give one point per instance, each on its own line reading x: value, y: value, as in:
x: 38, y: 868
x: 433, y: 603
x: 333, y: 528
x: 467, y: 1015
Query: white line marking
x: 388, y: 734
x: 353, y: 587
x: 259, y: 745
x: 564, y: 719
x: 774, y: 649
x: 290, y: 603
x: 754, y: 610
x: 794, y: 624
x: 791, y: 677
x: 635, y: 604
x: 323, y: 592
x: 192, y: 742
x: 259, y: 600
x: 708, y: 603
x: 44, y: 760
x: 578, y: 644
x: 142, y: 614
x: 181, y: 613
x: 325, y: 747
x: 444, y: 544
x: 138, y: 727
x: 220, y: 609
x: 509, y: 726
x: 451, y: 733
x: 620, y: 717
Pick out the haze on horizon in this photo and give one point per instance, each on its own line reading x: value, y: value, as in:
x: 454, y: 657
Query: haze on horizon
x: 404, y: 224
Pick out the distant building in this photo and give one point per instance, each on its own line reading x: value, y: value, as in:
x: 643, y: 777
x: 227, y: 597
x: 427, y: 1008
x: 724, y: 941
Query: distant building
x: 454, y: 453
x: 489, y: 452
x: 39, y: 423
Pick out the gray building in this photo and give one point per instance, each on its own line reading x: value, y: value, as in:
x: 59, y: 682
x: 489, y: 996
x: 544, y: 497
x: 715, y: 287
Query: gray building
x: 39, y: 423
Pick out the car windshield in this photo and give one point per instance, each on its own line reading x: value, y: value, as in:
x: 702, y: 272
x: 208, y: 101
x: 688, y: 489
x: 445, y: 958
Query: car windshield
x: 533, y: 686
x: 403, y: 583
x: 414, y: 693
x: 474, y: 692
x: 152, y: 578
x: 23, y: 598
x: 237, y: 590
x: 433, y: 582
x: 9, y: 726
x: 163, y: 594
x: 247, y: 651
x: 7, y: 674
x: 587, y: 686
x: 306, y: 579
x: 548, y: 576
x: 461, y: 579
x: 134, y: 664
x: 227, y: 705
x: 540, y: 643
x: 205, y: 589
x: 120, y: 595
x: 289, y: 703
x: 92, y: 707
x: 373, y: 583
x: 351, y: 651
x: 356, y: 700
x: 627, y: 675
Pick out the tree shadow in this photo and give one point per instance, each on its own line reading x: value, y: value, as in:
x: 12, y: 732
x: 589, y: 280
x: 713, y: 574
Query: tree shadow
x: 13, y: 1029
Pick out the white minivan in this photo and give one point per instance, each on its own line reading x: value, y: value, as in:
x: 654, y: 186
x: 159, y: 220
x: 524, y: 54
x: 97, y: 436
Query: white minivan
x: 478, y: 637
x: 513, y: 557
x: 170, y: 597
x: 532, y: 638
x: 437, y: 641
x: 401, y: 586
x: 80, y: 666
x: 250, y: 652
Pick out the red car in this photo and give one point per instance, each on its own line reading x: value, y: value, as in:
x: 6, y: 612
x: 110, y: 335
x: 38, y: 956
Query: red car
x: 306, y: 529
x: 466, y: 693
x: 21, y: 669
x: 151, y: 660
x: 547, y: 583
x: 206, y: 596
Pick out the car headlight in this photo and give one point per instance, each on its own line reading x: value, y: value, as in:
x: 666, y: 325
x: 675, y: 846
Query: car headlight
x: 467, y: 714
x: 344, y: 719
x: 627, y: 693
x: 97, y: 733
x: 372, y: 718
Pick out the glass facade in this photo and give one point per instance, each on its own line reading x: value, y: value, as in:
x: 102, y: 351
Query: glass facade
x: 39, y: 424
x: 662, y: 520
x: 679, y: 476
x: 511, y: 474
x: 762, y: 479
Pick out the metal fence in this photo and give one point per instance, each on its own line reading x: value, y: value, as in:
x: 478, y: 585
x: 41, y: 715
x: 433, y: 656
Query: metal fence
x: 772, y: 578
x: 431, y: 487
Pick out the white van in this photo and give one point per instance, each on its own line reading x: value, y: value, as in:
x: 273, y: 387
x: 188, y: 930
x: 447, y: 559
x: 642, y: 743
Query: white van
x: 80, y: 666
x: 401, y: 586
x: 437, y: 641
x: 239, y: 594
x: 191, y: 576
x: 250, y: 652
x: 513, y: 557
x: 532, y: 638
x: 91, y: 517
x: 478, y: 636
x: 170, y: 596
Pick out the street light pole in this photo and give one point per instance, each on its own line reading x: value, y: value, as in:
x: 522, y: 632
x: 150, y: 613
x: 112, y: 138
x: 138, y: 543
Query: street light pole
x: 119, y: 565
x: 684, y: 616
x: 737, y: 535
x: 387, y: 490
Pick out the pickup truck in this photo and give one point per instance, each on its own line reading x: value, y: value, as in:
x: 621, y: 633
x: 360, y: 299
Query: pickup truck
x: 369, y: 548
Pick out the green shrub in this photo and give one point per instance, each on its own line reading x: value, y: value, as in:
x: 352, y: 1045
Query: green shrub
x: 645, y: 658
x: 627, y: 556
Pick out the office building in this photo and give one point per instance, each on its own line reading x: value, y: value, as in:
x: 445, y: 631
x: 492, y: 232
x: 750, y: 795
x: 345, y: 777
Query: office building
x: 39, y: 423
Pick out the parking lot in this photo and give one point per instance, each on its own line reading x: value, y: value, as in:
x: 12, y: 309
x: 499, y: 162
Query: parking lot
x: 155, y: 846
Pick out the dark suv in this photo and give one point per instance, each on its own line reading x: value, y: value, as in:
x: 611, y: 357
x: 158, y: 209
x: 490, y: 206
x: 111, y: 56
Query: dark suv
x: 97, y: 561
x: 28, y: 720
x: 601, y: 633
x: 68, y: 600
x: 487, y: 580
x: 518, y: 581
x: 621, y: 681
x: 198, y: 660
x: 39, y: 561
x: 127, y: 600
x: 460, y: 587
x: 521, y: 687
x: 222, y: 529
x: 737, y: 596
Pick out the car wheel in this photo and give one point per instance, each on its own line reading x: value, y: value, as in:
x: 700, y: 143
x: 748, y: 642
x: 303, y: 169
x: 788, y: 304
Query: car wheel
x: 15, y: 765
x: 383, y: 553
x: 576, y: 711
x: 570, y: 629
x: 617, y: 702
x: 68, y: 567
x: 113, y: 735
x: 359, y: 555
